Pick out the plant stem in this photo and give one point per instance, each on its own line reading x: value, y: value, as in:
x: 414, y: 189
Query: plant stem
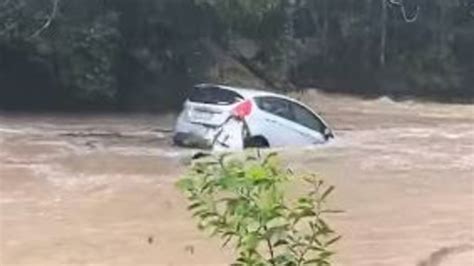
x: 270, y: 248
x: 272, y: 254
x: 306, y: 250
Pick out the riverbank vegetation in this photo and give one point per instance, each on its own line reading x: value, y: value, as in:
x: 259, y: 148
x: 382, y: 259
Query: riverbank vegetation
x: 145, y: 55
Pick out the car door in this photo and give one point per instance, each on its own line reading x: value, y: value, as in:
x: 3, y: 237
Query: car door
x: 276, y: 122
x: 309, y: 125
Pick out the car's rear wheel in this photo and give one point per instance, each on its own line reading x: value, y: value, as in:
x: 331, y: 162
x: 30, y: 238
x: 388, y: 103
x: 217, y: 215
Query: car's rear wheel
x: 256, y: 142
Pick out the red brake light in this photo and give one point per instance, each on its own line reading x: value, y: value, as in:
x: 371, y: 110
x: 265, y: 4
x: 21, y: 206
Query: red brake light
x: 242, y: 110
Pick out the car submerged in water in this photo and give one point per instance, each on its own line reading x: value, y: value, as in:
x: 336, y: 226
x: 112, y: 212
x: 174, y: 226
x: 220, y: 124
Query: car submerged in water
x: 223, y: 117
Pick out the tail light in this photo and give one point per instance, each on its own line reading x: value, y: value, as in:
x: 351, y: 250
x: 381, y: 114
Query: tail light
x: 242, y: 110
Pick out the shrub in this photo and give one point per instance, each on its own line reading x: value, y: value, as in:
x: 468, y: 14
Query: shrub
x: 243, y: 201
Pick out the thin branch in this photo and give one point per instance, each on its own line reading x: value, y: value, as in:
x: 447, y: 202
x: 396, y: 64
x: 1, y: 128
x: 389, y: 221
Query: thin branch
x: 401, y: 5
x: 50, y: 19
x: 7, y: 29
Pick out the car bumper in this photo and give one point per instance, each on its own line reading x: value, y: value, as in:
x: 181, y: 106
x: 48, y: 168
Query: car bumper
x: 192, y: 140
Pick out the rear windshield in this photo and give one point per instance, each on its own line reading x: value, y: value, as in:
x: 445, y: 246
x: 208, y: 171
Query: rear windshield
x: 214, y: 95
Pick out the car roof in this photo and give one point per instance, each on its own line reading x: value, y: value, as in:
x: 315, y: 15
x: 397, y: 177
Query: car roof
x: 245, y: 92
x: 252, y: 93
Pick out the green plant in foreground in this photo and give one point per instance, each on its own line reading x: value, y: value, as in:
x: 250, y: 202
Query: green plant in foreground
x: 243, y: 201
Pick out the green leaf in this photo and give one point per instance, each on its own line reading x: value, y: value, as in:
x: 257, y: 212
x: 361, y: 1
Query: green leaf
x: 327, y: 192
x: 285, y: 260
x: 316, y: 240
x: 198, y: 213
x: 185, y: 184
x: 312, y: 262
x: 207, y: 215
x: 251, y: 158
x: 316, y: 248
x: 194, y: 206
x: 305, y: 200
x: 332, y: 241
x: 206, y: 186
x: 310, y: 180
x: 280, y: 242
x: 227, y: 237
x: 326, y: 254
x: 257, y: 173
x: 332, y: 211
x: 270, y: 156
x: 250, y: 241
x: 324, y: 227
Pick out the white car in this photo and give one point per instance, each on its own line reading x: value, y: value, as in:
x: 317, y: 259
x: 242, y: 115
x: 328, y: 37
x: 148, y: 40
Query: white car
x: 235, y: 118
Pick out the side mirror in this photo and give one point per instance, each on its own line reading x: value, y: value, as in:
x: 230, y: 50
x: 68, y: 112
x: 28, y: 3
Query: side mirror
x: 328, y: 134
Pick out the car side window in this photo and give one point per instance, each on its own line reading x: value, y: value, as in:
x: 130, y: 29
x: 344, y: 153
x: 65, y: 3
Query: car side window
x: 291, y: 111
x: 275, y: 106
x: 306, y: 118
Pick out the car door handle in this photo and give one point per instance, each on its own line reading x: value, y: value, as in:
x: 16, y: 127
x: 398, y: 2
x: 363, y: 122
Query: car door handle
x: 270, y: 120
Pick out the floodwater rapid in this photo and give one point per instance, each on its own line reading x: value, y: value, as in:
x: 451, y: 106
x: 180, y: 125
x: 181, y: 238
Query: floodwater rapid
x: 99, y: 189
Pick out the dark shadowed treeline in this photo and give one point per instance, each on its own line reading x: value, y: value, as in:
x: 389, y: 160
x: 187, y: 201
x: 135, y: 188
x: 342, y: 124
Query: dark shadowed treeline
x: 145, y: 55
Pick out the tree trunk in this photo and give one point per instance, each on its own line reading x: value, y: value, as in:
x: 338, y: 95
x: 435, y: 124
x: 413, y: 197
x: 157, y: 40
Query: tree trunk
x: 442, y: 31
x: 367, y: 41
x: 383, y: 34
x: 325, y: 31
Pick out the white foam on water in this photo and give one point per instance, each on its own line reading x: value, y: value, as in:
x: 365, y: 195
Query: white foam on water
x: 163, y: 152
x: 64, y: 179
x: 10, y: 130
x: 385, y: 100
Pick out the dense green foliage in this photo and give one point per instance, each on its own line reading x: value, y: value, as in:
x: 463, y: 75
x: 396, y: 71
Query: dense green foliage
x: 244, y: 202
x: 141, y: 54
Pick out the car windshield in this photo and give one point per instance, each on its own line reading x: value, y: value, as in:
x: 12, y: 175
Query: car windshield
x: 214, y: 95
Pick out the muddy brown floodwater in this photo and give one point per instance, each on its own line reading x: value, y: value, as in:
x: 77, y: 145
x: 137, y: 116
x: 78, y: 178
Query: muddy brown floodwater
x: 99, y: 190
